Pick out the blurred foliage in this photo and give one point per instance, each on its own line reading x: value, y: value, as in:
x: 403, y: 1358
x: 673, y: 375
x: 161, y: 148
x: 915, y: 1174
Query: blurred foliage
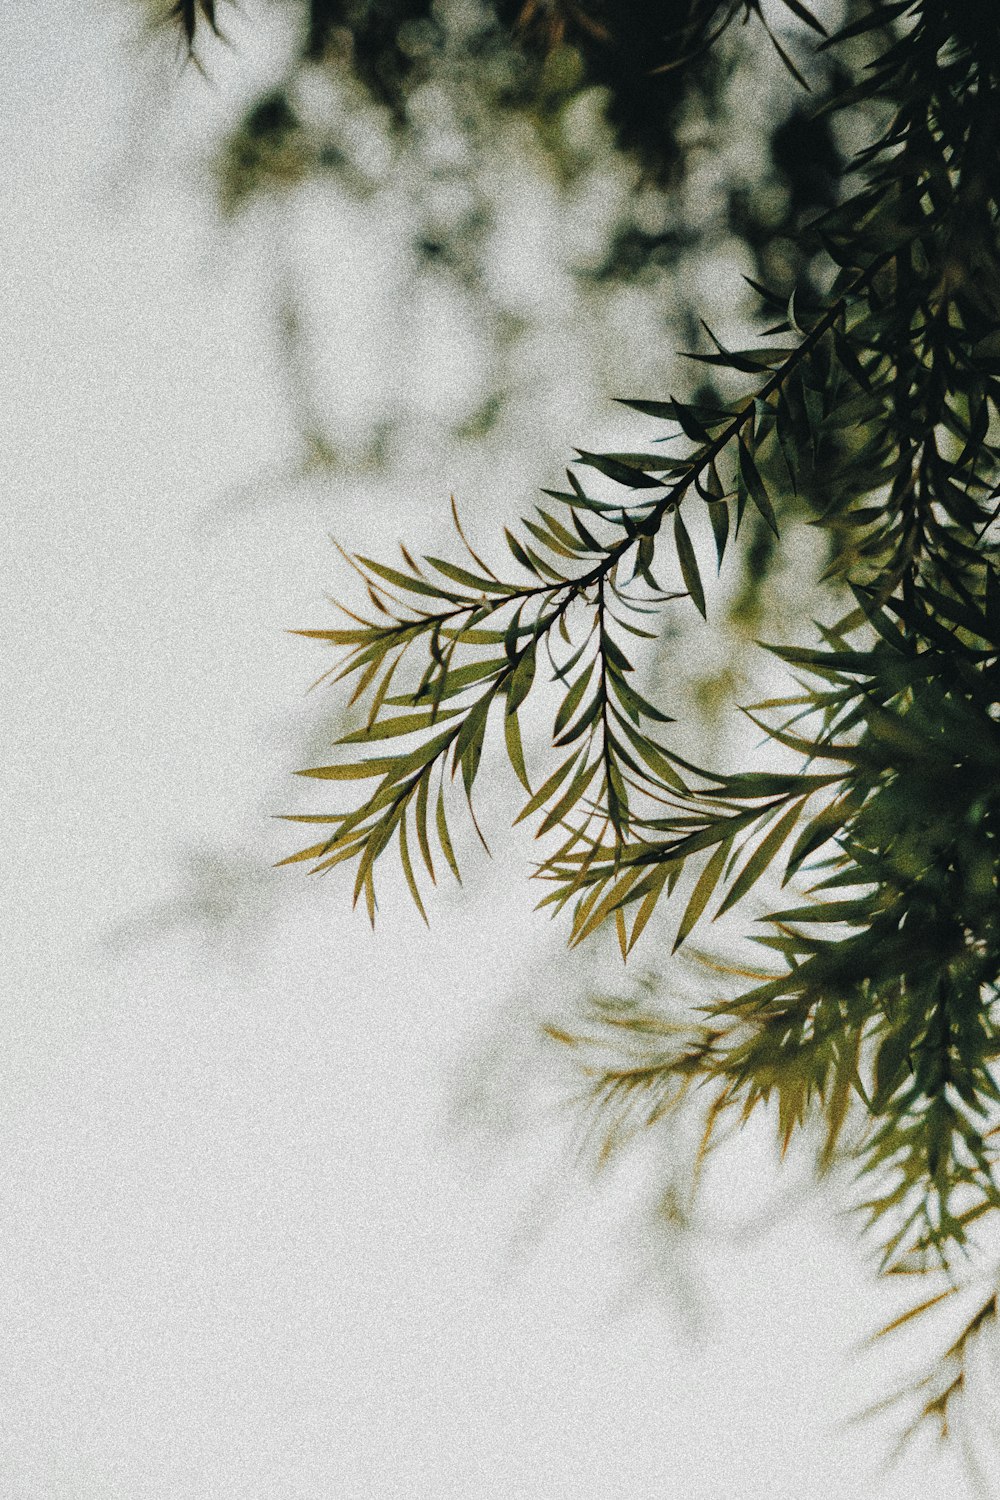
x: 629, y: 112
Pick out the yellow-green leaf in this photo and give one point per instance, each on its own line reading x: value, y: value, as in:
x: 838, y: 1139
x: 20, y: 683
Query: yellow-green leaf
x: 702, y: 893
x: 548, y: 787
x: 404, y: 856
x: 444, y: 839
x: 515, y: 750
x: 762, y: 856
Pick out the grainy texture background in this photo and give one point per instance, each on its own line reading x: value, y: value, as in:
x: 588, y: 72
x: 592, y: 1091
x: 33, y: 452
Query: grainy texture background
x: 245, y: 1253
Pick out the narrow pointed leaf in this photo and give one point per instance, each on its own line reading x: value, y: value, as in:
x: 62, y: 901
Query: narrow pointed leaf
x: 404, y: 857
x: 444, y: 838
x: 702, y: 893
x: 762, y: 856
x: 539, y: 798
x: 755, y: 486
x: 689, y: 564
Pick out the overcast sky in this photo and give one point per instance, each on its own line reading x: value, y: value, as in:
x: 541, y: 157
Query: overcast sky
x: 246, y: 1252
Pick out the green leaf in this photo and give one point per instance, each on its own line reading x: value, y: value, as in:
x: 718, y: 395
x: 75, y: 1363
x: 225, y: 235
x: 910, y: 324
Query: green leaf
x: 702, y: 893
x: 456, y: 680
x: 775, y: 783
x: 693, y: 419
x: 648, y: 893
x: 814, y: 749
x: 651, y: 463
x: 718, y: 514
x: 689, y: 564
x: 370, y: 902
x: 402, y: 724
x: 755, y: 486
x: 747, y: 361
x: 621, y: 473
x: 614, y: 655
x: 823, y: 827
x: 714, y: 832
x: 891, y: 1066
x: 914, y: 1312
x: 762, y: 856
x: 518, y: 552
x: 404, y: 856
x: 378, y: 840
x: 471, y: 580
x: 585, y: 535
x: 340, y: 637
x: 785, y: 58
x: 315, y: 851
x: 655, y: 756
x: 358, y: 771
x: 444, y: 839
x: 420, y: 818
x: 473, y: 727
x: 571, y: 702
x: 588, y: 718
x: 515, y: 750
x: 547, y: 540
x: 855, y: 913
x: 617, y: 795
x: 406, y: 581
x: 539, y: 798
x: 560, y: 532
x: 521, y: 679
x: 570, y: 798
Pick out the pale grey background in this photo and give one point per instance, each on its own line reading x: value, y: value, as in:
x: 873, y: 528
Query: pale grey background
x: 243, y: 1250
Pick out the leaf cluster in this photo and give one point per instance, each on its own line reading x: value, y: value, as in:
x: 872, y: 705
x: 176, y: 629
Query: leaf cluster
x: 871, y: 408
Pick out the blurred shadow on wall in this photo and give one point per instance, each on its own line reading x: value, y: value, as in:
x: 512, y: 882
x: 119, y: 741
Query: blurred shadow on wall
x: 474, y: 242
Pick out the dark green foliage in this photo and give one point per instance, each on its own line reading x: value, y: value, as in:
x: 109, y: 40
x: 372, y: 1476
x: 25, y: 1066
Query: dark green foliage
x: 660, y: 69
x: 870, y: 405
x: 189, y: 14
x: 374, y: 28
x: 634, y: 50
